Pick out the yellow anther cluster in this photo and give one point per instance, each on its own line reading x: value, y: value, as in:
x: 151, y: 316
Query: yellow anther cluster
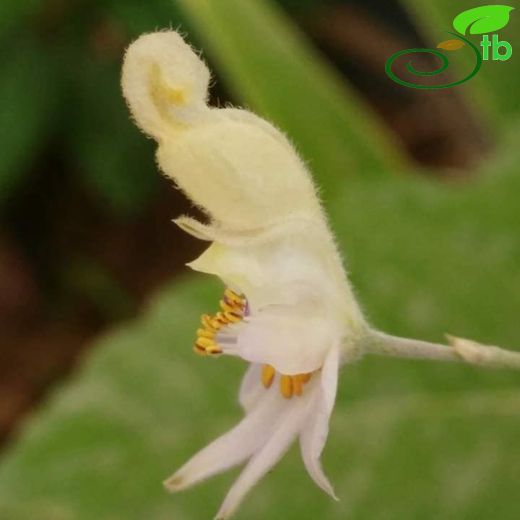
x: 232, y: 309
x: 289, y: 385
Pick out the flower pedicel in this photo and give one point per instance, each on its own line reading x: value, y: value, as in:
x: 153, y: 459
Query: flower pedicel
x: 287, y: 308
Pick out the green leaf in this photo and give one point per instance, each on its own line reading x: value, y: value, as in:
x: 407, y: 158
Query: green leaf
x: 28, y: 94
x: 138, y: 17
x: 484, y: 19
x: 270, y: 67
x: 113, y: 157
x: 14, y: 15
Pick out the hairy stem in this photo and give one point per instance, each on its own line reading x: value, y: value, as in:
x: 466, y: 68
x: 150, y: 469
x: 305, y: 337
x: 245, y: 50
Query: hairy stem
x: 463, y: 350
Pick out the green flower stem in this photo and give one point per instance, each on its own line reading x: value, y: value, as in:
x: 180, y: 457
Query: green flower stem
x: 461, y: 350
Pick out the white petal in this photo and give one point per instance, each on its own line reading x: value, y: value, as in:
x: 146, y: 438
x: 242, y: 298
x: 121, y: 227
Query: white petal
x: 292, y: 339
x: 251, y: 388
x: 286, y: 263
x: 238, y: 172
x: 195, y: 228
x: 314, y: 435
x: 265, y: 232
x: 241, y: 169
x: 329, y: 377
x: 265, y: 458
x: 232, y: 448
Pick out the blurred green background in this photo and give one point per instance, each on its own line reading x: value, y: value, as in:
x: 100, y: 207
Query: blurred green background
x: 100, y: 394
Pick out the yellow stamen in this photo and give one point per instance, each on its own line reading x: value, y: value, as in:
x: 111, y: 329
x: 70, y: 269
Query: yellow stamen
x: 232, y: 311
x: 227, y: 307
x: 220, y: 319
x: 289, y: 385
x: 205, y: 333
x: 206, y: 321
x: 204, y: 342
x: 306, y: 377
x: 286, y: 386
x: 231, y: 317
x: 267, y: 375
x: 205, y: 350
x: 298, y: 384
x: 215, y: 324
x: 207, y: 346
x: 199, y: 351
x: 233, y: 297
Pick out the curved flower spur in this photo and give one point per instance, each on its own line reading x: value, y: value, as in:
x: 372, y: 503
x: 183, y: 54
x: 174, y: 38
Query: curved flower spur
x: 287, y: 307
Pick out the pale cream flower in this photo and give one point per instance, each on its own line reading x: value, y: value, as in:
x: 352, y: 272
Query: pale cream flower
x: 288, y: 308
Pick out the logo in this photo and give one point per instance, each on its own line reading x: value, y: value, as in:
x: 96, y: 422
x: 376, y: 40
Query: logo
x: 479, y: 20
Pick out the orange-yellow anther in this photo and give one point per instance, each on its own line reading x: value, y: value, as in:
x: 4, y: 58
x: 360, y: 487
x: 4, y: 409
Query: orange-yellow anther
x: 199, y: 350
x: 206, y: 322
x: 267, y: 375
x: 298, y: 385
x: 289, y: 385
x: 219, y: 319
x: 231, y: 317
x: 232, y: 311
x: 229, y: 307
x: 204, y: 342
x: 286, y: 386
x: 215, y: 324
x: 306, y: 377
x: 233, y: 297
x: 205, y: 333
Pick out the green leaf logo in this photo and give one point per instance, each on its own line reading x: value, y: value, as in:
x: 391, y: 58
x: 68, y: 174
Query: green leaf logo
x: 484, y: 19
